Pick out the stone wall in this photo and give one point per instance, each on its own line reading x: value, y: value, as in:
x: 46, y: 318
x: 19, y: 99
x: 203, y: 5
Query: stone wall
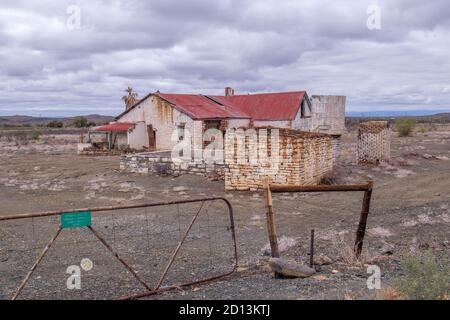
x: 336, y: 142
x: 294, y: 158
x: 161, y: 163
x: 286, y: 156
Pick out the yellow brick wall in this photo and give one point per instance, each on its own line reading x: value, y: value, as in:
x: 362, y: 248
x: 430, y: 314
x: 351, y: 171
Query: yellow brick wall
x: 295, y: 158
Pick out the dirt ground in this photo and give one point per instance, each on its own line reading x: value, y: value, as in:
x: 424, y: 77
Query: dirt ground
x: 410, y: 211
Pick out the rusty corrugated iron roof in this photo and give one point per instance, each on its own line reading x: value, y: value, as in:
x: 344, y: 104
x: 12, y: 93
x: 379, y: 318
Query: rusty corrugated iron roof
x: 266, y: 106
x: 202, y: 107
x: 262, y: 106
x: 115, y: 127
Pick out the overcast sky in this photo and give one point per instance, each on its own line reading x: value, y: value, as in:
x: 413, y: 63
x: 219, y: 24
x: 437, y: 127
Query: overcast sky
x: 54, y: 64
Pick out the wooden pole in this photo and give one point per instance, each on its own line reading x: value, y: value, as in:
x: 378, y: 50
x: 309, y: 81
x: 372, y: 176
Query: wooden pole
x: 109, y: 140
x: 270, y: 220
x: 361, y: 231
x: 311, y: 250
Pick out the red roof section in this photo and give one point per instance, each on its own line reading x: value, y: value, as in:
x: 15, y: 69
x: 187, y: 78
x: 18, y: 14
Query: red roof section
x: 266, y: 106
x: 262, y: 106
x: 115, y: 127
x: 202, y: 107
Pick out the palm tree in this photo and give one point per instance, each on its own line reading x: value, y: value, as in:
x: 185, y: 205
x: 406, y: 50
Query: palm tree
x: 131, y: 98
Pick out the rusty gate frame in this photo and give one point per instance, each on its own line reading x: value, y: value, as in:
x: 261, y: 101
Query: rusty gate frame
x: 279, y: 188
x: 150, y: 291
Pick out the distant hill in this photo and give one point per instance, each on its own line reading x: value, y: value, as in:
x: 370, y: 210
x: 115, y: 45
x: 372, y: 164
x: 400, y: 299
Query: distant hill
x: 396, y: 113
x: 31, y: 121
x: 439, y: 118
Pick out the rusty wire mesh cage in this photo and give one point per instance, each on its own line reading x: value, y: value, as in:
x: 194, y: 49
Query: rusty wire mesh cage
x: 158, y: 247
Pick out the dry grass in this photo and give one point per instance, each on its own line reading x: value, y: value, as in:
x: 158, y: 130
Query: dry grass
x: 22, y: 137
x: 345, y: 252
x: 331, y: 178
x: 389, y: 293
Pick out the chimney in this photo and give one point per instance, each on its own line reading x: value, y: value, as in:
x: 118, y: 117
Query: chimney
x: 229, y: 92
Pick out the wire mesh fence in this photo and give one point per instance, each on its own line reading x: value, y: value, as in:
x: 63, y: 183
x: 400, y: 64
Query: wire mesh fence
x: 128, y: 251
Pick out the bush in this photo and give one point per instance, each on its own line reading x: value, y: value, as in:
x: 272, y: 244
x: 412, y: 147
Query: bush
x: 55, y: 124
x: 425, y: 277
x: 405, y: 126
x: 34, y: 135
x: 91, y: 124
x: 80, y: 122
x: 21, y: 136
x: 422, y: 129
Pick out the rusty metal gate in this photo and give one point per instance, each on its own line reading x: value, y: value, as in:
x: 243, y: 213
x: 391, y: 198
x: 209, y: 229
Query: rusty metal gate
x: 123, y: 252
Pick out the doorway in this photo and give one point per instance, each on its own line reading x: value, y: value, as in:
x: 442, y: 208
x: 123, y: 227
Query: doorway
x: 151, y: 138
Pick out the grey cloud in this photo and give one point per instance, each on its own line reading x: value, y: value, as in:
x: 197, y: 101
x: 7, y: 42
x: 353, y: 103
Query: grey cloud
x: 202, y: 46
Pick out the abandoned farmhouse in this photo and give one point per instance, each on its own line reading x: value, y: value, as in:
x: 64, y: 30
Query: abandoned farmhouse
x: 308, y: 135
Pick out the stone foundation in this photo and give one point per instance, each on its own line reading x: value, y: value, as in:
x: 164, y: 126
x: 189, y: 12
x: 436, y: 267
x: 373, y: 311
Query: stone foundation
x: 161, y: 163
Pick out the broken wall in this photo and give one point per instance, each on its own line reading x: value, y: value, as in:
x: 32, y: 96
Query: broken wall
x: 328, y: 114
x: 294, y: 158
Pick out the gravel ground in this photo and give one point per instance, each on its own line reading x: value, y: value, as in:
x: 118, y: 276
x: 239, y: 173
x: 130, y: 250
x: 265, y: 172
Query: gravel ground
x: 410, y: 211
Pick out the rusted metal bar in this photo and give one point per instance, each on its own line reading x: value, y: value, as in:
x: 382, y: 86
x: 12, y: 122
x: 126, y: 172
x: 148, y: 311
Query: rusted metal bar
x: 99, y: 209
x: 233, y: 236
x: 361, y: 231
x: 149, y: 291
x: 175, y: 252
x: 174, y: 287
x: 311, y: 250
x: 38, y: 261
x: 115, y: 254
x: 185, y: 285
x: 278, y: 188
x: 367, y: 188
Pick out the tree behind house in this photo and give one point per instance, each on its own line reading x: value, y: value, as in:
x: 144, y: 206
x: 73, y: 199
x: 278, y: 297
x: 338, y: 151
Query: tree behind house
x: 130, y: 99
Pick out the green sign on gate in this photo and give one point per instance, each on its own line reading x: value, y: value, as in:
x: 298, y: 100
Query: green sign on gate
x: 75, y: 219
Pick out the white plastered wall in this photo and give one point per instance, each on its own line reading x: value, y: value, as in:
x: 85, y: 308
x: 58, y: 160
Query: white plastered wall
x: 164, y: 119
x: 138, y: 136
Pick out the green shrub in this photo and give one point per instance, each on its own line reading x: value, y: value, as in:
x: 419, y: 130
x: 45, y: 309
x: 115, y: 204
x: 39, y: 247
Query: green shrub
x: 34, y: 135
x: 405, y: 126
x: 422, y: 129
x: 426, y: 277
x: 80, y: 122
